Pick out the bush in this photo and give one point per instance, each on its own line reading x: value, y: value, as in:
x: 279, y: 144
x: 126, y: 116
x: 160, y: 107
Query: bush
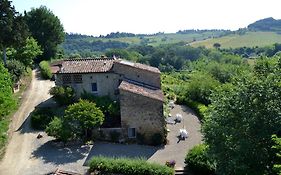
x: 16, y: 69
x: 157, y: 139
x: 41, y: 117
x: 59, y: 129
x: 105, y: 103
x: 114, y: 136
x: 7, y: 101
x: 198, y: 161
x: 45, y: 70
x: 127, y: 166
x: 199, y: 108
x: 63, y: 95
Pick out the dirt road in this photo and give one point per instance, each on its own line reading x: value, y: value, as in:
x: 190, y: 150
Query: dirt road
x: 21, y: 144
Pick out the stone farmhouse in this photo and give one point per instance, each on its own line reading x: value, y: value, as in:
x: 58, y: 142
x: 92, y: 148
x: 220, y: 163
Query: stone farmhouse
x: 136, y: 86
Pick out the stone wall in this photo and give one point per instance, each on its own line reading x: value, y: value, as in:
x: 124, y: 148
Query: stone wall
x: 142, y: 113
x: 136, y: 74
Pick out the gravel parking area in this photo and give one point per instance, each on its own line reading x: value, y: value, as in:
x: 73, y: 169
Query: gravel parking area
x: 176, y: 149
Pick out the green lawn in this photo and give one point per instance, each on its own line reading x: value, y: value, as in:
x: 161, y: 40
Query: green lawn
x: 250, y: 39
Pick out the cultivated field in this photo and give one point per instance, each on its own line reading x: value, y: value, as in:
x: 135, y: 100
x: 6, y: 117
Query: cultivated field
x: 250, y: 39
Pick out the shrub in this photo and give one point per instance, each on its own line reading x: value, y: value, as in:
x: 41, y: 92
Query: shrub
x: 45, y: 70
x: 157, y: 139
x: 7, y: 101
x: 41, y: 117
x: 105, y: 103
x: 170, y: 163
x: 127, y: 166
x: 16, y: 69
x: 199, y: 108
x: 63, y: 95
x: 140, y: 138
x: 59, y: 129
x: 114, y: 136
x: 199, y: 162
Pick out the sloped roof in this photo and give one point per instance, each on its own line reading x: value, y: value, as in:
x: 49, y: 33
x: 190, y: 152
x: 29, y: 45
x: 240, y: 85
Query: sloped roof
x: 137, y: 65
x: 142, y: 89
x: 89, y: 65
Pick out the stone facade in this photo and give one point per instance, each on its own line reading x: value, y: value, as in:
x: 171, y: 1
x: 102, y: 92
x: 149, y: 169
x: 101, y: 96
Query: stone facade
x: 142, y: 113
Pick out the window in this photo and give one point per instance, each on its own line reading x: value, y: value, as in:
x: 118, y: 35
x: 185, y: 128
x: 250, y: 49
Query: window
x: 77, y: 78
x: 132, y: 132
x: 94, y: 87
x: 66, y: 79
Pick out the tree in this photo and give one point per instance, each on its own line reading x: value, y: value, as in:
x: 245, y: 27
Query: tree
x: 28, y: 52
x: 63, y: 95
x: 47, y: 29
x: 13, y: 29
x: 217, y: 45
x: 83, y: 116
x: 16, y: 69
x: 240, y: 122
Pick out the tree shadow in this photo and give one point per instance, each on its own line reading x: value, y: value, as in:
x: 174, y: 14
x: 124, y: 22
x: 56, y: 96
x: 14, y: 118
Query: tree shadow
x: 26, y: 125
x: 121, y: 150
x: 52, y: 152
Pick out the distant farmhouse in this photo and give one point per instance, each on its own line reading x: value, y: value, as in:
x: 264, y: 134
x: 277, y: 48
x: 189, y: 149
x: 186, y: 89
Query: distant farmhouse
x: 136, y: 86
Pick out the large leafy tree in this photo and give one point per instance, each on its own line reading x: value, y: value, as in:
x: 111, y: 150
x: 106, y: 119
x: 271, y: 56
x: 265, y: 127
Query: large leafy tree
x: 47, y: 29
x: 28, y: 52
x: 13, y: 29
x: 241, y: 120
x: 78, y: 120
x: 83, y: 116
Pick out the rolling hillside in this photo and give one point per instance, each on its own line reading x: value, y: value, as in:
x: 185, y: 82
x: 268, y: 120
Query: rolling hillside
x: 87, y: 45
x: 250, y: 39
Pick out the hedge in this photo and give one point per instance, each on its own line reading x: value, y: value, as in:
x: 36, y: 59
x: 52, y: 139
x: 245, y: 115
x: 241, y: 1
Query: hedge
x: 45, y: 70
x: 41, y: 117
x: 198, y: 108
x: 126, y: 166
x: 199, y: 162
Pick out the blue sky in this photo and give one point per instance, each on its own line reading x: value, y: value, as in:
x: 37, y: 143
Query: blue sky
x: 100, y: 17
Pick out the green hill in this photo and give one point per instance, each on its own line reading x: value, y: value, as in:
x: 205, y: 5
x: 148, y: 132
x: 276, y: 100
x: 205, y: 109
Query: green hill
x: 249, y: 39
x: 267, y: 24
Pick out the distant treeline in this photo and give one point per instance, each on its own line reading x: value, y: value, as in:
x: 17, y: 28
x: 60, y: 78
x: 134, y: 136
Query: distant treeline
x: 191, y: 31
x: 254, y: 52
x: 76, y: 43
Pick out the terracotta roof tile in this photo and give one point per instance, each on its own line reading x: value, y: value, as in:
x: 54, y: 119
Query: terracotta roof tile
x: 87, y: 65
x: 141, y: 89
x: 54, y: 69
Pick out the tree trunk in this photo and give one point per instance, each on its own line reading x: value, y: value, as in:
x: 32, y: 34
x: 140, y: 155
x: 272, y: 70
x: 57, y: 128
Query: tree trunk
x: 4, y: 57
